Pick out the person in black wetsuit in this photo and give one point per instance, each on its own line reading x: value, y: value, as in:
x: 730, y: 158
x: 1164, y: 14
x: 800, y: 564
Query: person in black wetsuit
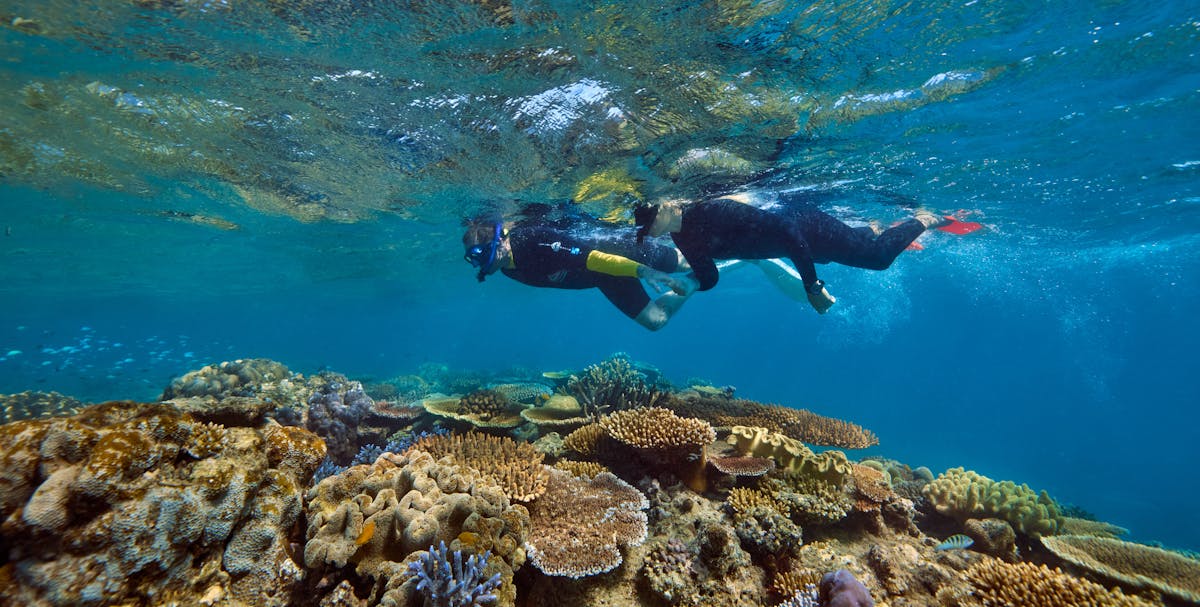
x: 543, y: 255
x: 728, y: 228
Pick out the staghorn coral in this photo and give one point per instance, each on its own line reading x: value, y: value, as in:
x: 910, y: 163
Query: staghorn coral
x: 1136, y: 565
x: 799, y: 424
x: 579, y: 525
x: 378, y: 516
x: 966, y: 494
x: 119, y: 507
x: 35, y: 405
x: 612, y: 385
x: 480, y: 411
x: 1000, y: 584
x: 458, y: 585
x: 516, y: 467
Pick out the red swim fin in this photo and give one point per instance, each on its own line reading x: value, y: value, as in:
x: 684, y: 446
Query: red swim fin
x: 914, y: 246
x: 960, y: 227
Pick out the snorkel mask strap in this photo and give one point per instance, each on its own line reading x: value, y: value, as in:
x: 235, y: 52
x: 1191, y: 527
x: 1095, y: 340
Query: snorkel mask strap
x: 491, y: 258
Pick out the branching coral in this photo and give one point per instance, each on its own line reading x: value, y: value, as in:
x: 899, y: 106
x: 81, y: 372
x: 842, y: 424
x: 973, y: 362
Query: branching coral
x: 612, y: 385
x: 516, y: 467
x: 459, y: 585
x: 966, y: 494
x: 1000, y: 584
x: 578, y: 526
x: 1137, y: 565
x: 658, y: 430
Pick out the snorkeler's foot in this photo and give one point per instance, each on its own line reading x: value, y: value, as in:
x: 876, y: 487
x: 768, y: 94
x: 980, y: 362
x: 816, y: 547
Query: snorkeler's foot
x: 932, y: 220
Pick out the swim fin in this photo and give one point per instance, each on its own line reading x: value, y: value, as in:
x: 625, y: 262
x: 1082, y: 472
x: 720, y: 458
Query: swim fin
x: 959, y: 227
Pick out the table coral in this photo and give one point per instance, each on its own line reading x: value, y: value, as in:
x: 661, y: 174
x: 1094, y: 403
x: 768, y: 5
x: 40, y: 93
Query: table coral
x: 966, y: 494
x: 1000, y: 584
x: 1136, y: 565
x: 799, y: 424
x: 579, y: 525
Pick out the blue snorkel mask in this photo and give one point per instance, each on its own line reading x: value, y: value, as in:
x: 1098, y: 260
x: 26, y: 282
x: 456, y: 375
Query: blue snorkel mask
x: 483, y: 256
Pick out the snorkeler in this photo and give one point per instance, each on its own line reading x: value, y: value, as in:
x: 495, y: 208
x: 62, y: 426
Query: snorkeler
x: 729, y: 228
x: 545, y: 256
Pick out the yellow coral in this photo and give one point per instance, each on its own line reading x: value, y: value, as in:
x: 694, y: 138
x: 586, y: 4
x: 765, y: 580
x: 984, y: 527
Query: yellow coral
x: 791, y: 455
x: 1135, y: 564
x: 1000, y: 584
x: 966, y: 494
x: 743, y: 500
x: 587, y: 469
x: 586, y: 440
x: 515, y: 467
x: 658, y: 429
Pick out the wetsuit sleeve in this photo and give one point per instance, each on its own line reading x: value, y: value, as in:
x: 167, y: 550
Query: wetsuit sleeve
x: 706, y: 272
x: 613, y: 265
x: 801, y: 256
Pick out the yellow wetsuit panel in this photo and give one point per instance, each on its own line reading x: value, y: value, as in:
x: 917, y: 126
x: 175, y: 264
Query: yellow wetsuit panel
x: 613, y: 265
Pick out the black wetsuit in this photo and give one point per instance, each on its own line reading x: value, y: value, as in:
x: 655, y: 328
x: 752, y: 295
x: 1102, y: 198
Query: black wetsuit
x: 550, y: 257
x: 726, y: 229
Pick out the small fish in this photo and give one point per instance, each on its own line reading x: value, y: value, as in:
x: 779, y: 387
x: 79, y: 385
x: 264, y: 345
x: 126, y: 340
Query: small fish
x: 956, y: 541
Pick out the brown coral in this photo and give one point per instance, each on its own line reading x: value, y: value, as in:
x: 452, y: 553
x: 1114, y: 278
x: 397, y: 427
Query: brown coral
x: 588, y: 469
x: 1000, y: 584
x: 558, y: 411
x: 34, y: 405
x: 742, y: 465
x: 587, y: 440
x: 799, y: 424
x: 516, y: 467
x: 1137, y: 565
x: 743, y: 501
x: 658, y: 429
x: 578, y: 527
x: 871, y: 483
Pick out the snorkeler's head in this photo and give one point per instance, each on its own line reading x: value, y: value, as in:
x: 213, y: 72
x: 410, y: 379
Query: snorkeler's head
x: 644, y: 215
x: 482, y: 242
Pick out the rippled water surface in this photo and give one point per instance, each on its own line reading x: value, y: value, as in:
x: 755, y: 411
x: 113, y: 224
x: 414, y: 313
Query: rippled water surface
x: 198, y: 181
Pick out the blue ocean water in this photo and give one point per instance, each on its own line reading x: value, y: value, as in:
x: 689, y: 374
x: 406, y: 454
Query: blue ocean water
x: 202, y: 181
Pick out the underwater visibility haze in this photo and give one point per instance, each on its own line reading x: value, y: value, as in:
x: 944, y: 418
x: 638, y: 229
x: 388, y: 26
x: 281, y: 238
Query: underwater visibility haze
x: 187, y: 182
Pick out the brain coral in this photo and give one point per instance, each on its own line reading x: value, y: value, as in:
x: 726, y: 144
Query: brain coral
x: 579, y: 525
x: 1000, y: 584
x: 126, y: 500
x: 381, y: 515
x: 516, y: 467
x: 1137, y: 565
x: 965, y: 494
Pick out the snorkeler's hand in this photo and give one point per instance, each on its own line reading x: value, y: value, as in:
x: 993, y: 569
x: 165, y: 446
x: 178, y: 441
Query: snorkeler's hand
x: 663, y: 282
x: 820, y: 298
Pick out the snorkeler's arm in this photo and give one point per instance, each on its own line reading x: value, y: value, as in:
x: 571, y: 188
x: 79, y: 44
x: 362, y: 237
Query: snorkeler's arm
x: 616, y: 265
x: 705, y: 271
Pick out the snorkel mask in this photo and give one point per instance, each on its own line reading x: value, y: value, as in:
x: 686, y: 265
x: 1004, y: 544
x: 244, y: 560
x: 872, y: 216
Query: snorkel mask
x: 482, y: 256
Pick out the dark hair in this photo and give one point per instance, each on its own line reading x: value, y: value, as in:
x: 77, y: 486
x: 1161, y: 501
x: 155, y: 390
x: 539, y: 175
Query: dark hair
x: 480, y: 230
x: 644, y: 215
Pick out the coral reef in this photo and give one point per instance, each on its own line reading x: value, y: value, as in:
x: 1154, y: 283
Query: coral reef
x: 579, y: 525
x: 130, y: 502
x: 34, y: 405
x: 1135, y: 565
x: 198, y: 501
x: 966, y: 494
x: 1000, y: 584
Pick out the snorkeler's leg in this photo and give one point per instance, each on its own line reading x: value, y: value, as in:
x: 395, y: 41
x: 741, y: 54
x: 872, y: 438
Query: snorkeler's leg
x: 783, y: 276
x: 658, y: 313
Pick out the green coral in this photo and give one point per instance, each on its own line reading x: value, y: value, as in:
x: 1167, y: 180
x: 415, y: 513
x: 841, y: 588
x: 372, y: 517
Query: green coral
x: 965, y: 494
